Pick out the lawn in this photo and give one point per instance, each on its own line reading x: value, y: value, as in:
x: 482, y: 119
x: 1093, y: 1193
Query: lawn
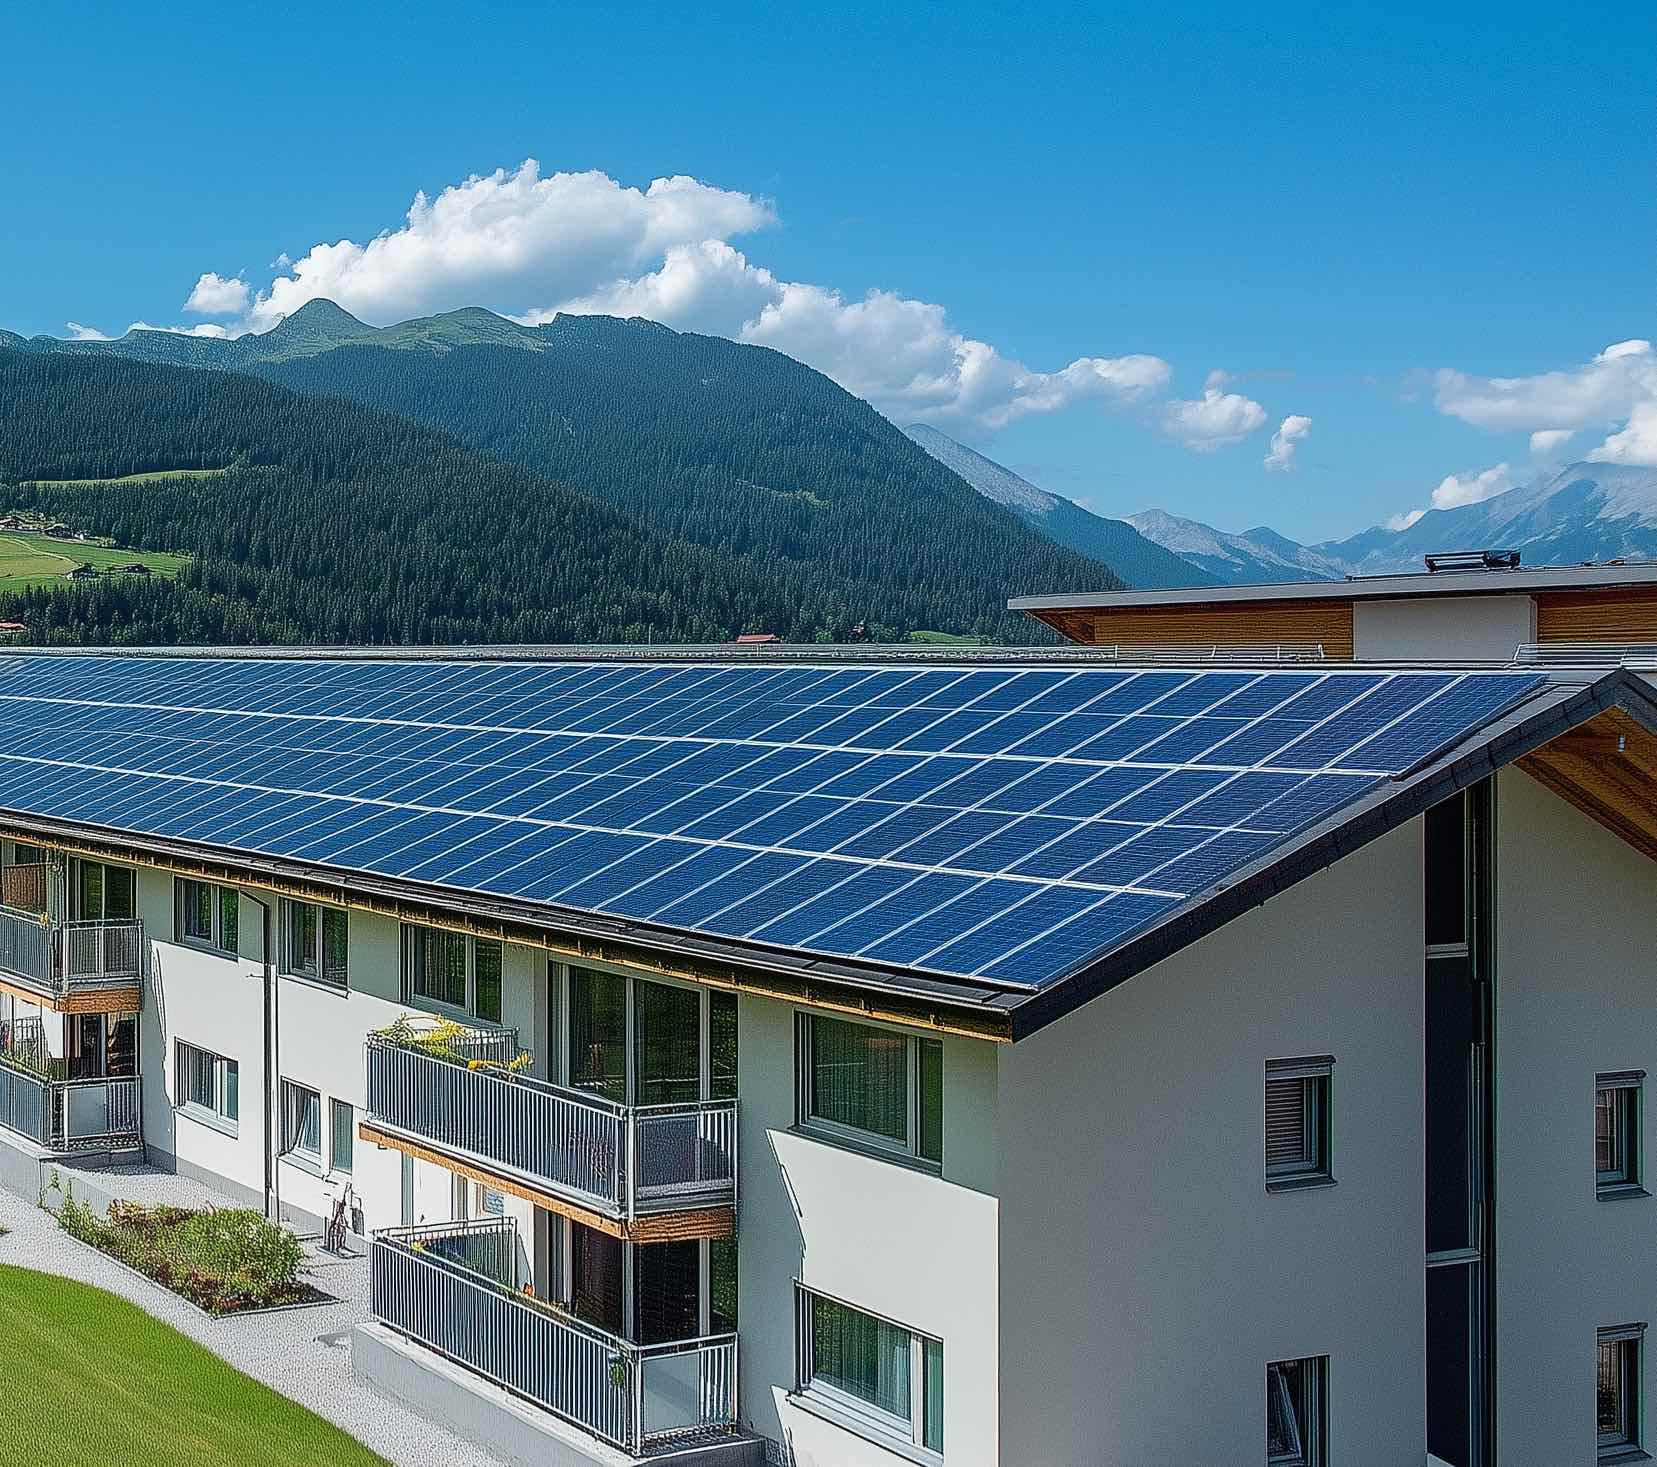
x: 92, y: 1378
x: 31, y: 559
x: 148, y: 478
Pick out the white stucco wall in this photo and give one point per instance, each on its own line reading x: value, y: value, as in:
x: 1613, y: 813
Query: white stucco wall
x: 1576, y: 995
x: 1488, y: 626
x: 1147, y: 1278
x: 916, y: 1248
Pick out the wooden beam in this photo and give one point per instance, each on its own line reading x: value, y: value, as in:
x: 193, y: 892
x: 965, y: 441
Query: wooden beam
x: 1607, y: 769
x: 122, y: 1000
x: 664, y: 1227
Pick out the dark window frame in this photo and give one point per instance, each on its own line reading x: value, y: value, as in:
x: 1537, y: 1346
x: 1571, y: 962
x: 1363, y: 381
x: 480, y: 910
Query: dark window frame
x: 1623, y: 1346
x: 1620, y: 1095
x: 1312, y: 1077
x: 1298, y: 1392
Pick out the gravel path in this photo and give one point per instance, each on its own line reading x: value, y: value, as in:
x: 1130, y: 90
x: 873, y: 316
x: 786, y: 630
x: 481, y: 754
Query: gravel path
x: 303, y: 1353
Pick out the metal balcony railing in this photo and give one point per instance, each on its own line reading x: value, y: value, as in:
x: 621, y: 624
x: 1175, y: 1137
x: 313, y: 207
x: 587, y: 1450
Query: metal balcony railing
x: 622, y: 1161
x: 70, y: 1115
x: 60, y: 958
x: 454, y: 1288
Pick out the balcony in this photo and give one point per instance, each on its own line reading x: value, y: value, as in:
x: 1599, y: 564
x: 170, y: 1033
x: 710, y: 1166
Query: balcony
x: 644, y: 1173
x: 68, y: 1115
x: 454, y: 1288
x: 72, y: 967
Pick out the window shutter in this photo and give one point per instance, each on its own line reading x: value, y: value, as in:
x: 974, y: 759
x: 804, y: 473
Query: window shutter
x: 1286, y: 1123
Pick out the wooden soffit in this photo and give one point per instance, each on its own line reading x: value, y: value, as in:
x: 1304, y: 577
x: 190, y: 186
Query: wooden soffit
x: 1606, y: 768
x: 664, y: 1227
x: 112, y: 1000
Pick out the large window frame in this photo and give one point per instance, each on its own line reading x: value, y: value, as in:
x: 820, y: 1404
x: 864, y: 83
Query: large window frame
x: 1619, y: 1383
x: 207, y: 1086
x: 342, y: 1136
x: 921, y: 1432
x: 316, y: 943
x: 1618, y: 1158
x: 480, y: 995
x: 922, y: 1142
x: 1299, y: 1131
x: 220, y: 906
x: 93, y: 888
x: 301, y: 1121
x: 1297, y: 1397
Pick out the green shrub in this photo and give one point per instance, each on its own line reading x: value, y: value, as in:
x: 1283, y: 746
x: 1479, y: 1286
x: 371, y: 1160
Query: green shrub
x: 223, y: 1259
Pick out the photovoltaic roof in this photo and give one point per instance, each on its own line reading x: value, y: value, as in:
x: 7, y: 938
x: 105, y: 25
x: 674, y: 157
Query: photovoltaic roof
x: 996, y: 823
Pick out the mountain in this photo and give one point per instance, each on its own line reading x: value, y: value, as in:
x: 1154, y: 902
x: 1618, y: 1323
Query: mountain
x: 1138, y: 560
x: 735, y: 448
x: 320, y: 520
x: 1586, y: 511
x: 1252, y: 558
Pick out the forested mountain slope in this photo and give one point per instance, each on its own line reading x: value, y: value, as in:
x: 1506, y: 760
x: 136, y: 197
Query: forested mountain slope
x: 734, y: 447
x: 334, y: 522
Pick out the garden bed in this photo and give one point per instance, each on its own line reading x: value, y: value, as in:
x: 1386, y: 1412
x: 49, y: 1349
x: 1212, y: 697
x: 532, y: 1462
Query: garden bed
x: 227, y: 1260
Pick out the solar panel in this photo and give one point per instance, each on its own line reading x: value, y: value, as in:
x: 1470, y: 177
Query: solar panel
x: 999, y: 822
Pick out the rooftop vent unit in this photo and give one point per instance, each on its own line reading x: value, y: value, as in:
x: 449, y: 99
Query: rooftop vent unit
x: 1472, y: 560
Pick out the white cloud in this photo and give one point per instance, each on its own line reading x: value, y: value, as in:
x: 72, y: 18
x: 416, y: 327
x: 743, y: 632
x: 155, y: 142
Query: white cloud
x: 516, y: 239
x: 78, y: 332
x: 216, y: 295
x: 1214, y: 421
x: 1289, y: 436
x: 1548, y: 441
x: 204, y: 328
x: 1455, y: 490
x: 1405, y: 520
x: 1636, y: 443
x: 1601, y: 391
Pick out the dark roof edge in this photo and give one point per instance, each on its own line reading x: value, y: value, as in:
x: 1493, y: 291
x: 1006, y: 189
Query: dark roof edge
x: 1401, y: 585
x: 1322, y: 845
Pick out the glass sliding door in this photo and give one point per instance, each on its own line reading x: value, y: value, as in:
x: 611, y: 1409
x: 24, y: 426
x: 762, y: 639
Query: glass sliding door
x: 597, y: 1285
x: 598, y: 1033
x: 667, y: 1044
x: 667, y: 1292
x: 104, y: 893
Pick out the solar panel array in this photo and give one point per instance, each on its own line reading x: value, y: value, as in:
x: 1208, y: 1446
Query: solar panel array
x: 997, y: 822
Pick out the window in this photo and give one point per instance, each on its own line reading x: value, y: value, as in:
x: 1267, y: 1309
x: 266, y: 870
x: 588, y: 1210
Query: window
x: 871, y: 1372
x: 878, y: 1086
x: 342, y: 1135
x: 302, y: 1123
x: 1295, y: 1427
x: 104, y: 893
x: 1617, y: 1393
x: 452, y: 971
x: 1617, y: 1133
x: 208, y: 915
x: 1297, y: 1123
x: 209, y: 1085
x: 313, y: 942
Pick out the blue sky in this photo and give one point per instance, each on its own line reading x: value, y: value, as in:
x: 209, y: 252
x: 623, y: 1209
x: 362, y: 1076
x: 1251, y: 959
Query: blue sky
x: 1326, y: 205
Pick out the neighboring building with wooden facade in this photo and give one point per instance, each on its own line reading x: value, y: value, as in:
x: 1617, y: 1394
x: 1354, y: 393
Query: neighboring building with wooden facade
x: 1449, y: 614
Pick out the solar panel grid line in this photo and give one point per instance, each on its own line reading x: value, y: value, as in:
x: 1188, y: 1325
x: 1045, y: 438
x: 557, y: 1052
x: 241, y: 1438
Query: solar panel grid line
x: 1170, y: 817
x: 1001, y: 900
x: 870, y: 794
x: 1033, y: 758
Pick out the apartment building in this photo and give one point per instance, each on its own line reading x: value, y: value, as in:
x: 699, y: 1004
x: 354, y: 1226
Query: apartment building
x: 855, y: 1057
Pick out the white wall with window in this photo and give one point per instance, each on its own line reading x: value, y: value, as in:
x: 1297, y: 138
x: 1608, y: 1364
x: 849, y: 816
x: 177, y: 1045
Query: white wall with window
x: 1574, y: 1027
x: 842, y: 1203
x: 1149, y: 1277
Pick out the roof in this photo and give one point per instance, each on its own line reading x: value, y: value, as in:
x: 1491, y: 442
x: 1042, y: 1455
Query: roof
x: 1362, y: 588
x: 1015, y: 836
